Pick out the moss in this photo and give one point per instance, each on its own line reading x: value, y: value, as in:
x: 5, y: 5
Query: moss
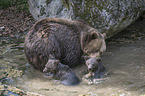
x: 42, y: 11
x: 47, y: 2
x: 66, y: 3
x: 6, y: 90
x: 21, y: 5
x: 5, y: 3
x: 8, y: 71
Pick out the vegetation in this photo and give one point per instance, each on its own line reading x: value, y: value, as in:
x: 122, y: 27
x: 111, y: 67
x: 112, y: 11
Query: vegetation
x: 21, y: 5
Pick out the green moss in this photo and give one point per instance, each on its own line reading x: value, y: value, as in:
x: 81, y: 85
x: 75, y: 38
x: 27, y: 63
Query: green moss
x: 5, y: 3
x: 66, y: 3
x: 21, y: 5
x: 47, y: 2
x: 88, y: 12
x: 8, y: 70
x: 42, y: 11
x: 6, y: 90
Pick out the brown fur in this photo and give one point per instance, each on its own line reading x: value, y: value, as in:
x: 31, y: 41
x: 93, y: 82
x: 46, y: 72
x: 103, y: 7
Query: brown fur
x: 62, y: 72
x: 65, y: 40
x: 51, y: 66
x: 95, y: 68
x: 92, y: 64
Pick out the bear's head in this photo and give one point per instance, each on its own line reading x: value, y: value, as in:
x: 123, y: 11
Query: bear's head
x: 93, y: 42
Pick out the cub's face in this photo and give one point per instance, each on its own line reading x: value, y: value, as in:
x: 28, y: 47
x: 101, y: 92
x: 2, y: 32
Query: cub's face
x: 92, y: 64
x: 93, y: 43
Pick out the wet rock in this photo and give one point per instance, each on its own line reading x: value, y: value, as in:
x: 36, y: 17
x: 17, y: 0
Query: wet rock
x: 111, y: 19
x: 6, y: 90
x: 8, y: 71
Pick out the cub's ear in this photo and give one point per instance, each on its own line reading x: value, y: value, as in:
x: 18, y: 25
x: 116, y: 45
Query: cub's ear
x: 56, y: 62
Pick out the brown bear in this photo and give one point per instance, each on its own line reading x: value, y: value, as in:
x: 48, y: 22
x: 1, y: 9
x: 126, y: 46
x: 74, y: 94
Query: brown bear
x: 65, y: 40
x: 61, y: 72
x: 51, y: 66
x: 95, y: 68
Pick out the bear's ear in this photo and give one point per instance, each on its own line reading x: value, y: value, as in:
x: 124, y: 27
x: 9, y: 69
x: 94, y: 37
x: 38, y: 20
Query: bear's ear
x: 93, y: 36
x: 86, y: 38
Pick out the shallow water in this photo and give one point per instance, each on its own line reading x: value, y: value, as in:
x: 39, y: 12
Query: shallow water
x: 124, y: 63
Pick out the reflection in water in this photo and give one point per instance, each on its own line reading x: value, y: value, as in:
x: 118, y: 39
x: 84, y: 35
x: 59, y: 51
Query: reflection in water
x: 124, y: 63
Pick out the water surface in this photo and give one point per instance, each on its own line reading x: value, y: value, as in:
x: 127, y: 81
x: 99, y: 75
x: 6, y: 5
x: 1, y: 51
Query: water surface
x: 125, y: 66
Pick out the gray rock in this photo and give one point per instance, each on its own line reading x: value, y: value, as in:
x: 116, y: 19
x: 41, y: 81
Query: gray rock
x: 49, y: 8
x: 108, y: 16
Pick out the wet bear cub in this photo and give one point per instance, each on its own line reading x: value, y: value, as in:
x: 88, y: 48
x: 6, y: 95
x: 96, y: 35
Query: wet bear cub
x: 65, y: 40
x: 61, y: 72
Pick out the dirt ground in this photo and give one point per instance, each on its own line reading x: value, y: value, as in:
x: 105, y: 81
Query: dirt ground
x: 14, y: 24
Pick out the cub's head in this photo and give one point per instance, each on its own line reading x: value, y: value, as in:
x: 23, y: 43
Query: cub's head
x: 51, y: 66
x: 93, y: 43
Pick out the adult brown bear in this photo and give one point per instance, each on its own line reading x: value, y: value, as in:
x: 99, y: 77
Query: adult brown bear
x: 65, y: 40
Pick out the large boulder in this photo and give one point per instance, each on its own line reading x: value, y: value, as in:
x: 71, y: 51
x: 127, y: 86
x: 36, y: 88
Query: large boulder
x: 108, y: 16
x: 49, y: 8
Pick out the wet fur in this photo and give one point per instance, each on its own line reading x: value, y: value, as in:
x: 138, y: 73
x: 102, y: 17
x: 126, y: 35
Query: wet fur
x: 65, y: 40
x: 62, y: 73
x: 66, y: 75
x: 95, y: 68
